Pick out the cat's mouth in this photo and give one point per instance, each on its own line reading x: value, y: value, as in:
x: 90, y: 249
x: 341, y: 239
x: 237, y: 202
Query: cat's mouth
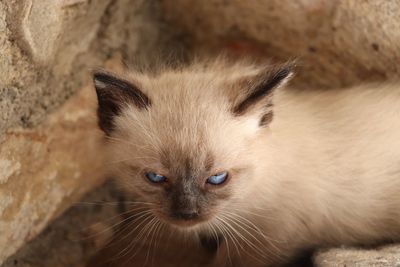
x: 184, y: 219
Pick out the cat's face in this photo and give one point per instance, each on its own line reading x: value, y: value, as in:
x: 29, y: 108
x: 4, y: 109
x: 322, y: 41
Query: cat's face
x: 181, y: 142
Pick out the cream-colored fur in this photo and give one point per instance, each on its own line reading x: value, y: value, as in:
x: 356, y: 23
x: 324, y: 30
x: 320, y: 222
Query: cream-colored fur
x: 325, y: 171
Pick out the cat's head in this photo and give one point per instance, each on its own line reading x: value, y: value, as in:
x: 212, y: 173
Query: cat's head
x: 181, y: 141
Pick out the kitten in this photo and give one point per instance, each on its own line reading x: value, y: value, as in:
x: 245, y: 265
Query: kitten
x: 223, y: 149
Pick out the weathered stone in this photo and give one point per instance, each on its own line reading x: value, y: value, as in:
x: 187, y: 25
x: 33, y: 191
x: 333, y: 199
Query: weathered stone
x: 386, y: 256
x: 42, y: 170
x: 66, y: 3
x: 337, y: 43
x: 41, y: 27
x: 48, y: 47
x: 5, y: 48
x: 70, y: 240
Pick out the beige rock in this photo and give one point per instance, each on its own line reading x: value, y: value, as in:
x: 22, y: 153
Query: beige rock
x: 337, y: 43
x: 386, y: 256
x: 41, y: 26
x: 43, y: 170
x: 47, y: 47
x: 72, y: 239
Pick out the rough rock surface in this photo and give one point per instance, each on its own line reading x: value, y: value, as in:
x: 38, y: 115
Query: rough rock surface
x: 69, y: 240
x: 45, y: 168
x: 386, y: 256
x: 48, y: 47
x: 337, y: 43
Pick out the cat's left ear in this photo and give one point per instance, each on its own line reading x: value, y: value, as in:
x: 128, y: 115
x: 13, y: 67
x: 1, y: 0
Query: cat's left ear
x: 113, y: 94
x: 255, y: 91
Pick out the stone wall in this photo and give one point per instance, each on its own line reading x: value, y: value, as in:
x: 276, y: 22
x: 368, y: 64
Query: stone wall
x: 336, y: 43
x: 50, y: 147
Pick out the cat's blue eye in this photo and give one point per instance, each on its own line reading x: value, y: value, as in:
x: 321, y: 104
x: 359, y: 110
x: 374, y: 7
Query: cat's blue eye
x: 218, y: 178
x: 155, y: 178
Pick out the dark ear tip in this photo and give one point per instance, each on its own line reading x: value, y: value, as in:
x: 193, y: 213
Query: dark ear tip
x: 286, y: 70
x: 101, y: 76
x: 96, y: 75
x: 102, y: 79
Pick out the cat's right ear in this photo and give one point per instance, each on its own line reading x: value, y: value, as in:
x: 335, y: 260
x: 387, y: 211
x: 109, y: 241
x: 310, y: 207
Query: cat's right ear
x: 253, y: 93
x: 114, y: 93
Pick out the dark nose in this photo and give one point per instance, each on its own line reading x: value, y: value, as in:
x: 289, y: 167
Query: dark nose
x: 185, y: 215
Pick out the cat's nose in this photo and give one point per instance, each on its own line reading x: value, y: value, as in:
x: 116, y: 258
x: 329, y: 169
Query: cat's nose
x: 185, y: 215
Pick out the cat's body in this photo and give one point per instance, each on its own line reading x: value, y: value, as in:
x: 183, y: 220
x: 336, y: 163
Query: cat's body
x: 330, y: 162
x: 306, y: 168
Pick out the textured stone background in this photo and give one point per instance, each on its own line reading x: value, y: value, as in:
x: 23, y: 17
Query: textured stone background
x: 69, y: 241
x: 46, y: 168
x: 47, y: 48
x: 337, y: 43
x: 385, y: 256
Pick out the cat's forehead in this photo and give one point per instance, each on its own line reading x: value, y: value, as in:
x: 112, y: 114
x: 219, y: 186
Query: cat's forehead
x: 186, y: 162
x: 183, y: 137
x: 185, y: 85
x: 189, y: 117
x: 187, y: 106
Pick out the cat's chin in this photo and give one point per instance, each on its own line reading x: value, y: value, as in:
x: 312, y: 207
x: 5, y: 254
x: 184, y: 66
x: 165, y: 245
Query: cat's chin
x: 184, y: 224
x: 187, y: 224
